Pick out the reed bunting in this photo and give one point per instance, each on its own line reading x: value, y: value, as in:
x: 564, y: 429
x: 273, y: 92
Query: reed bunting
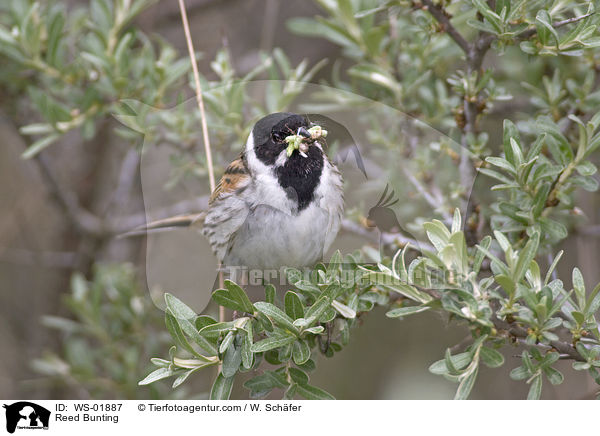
x: 279, y: 204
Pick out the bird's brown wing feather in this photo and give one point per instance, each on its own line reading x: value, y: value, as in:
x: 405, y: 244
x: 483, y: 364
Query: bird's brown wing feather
x: 235, y: 177
x: 227, y: 208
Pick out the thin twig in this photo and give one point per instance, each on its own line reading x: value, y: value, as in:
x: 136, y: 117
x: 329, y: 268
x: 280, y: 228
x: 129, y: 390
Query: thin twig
x: 129, y: 222
x: 209, y: 163
x: 434, y: 201
x: 84, y: 221
x: 200, y: 100
x: 530, y: 32
x: 519, y: 332
x: 474, y: 54
x: 442, y: 17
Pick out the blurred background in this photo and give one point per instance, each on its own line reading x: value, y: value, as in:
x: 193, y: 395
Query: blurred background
x: 77, y: 318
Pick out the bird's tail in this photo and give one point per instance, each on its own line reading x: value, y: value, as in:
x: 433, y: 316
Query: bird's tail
x: 166, y: 224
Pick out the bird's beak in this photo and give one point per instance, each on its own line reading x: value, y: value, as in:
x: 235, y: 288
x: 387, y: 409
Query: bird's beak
x: 303, y: 132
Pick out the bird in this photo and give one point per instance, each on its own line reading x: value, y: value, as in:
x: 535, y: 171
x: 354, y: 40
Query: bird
x: 279, y: 204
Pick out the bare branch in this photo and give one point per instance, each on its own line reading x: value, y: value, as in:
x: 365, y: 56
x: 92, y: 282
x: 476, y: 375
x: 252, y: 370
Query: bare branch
x: 526, y: 34
x: 443, y: 17
x: 83, y: 220
x: 436, y: 202
x: 519, y: 332
x: 126, y: 223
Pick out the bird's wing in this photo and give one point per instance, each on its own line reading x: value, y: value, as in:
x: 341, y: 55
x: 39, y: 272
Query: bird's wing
x: 335, y: 209
x: 228, y: 208
x: 236, y: 176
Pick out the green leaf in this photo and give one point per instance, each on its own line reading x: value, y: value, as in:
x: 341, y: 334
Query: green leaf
x: 316, y: 310
x: 507, y: 284
x: 376, y: 75
x: 478, y: 257
x: 293, y: 305
x: 535, y: 391
x: 554, y: 376
x: 491, y: 357
x: 231, y: 361
x: 593, y: 302
x: 265, y: 383
x: 213, y: 331
x: 188, y: 327
x: 183, y: 377
x: 405, y: 311
x: 388, y: 282
x: 437, y: 233
x: 300, y: 352
x: 157, y: 374
x: 459, y: 361
x: 314, y: 393
x: 519, y: 373
x: 554, y: 229
x: 496, y: 175
x: 343, y: 310
x: 227, y: 341
x: 277, y: 315
x: 579, y: 285
x: 501, y: 265
x: 39, y: 145
x: 552, y: 267
x: 510, y: 131
x: 467, y: 383
x: 202, y: 321
x: 178, y: 308
x: 36, y: 129
x: 324, y: 29
x: 539, y: 202
x: 298, y: 376
x: 526, y: 256
x: 176, y: 333
x: 247, y: 340
x: 483, y: 26
x: 543, y: 24
x: 581, y: 366
x: 316, y: 330
x: 233, y: 297
x: 586, y: 168
x: 240, y: 296
x: 272, y: 342
x: 489, y: 14
x: 221, y: 388
x: 270, y: 293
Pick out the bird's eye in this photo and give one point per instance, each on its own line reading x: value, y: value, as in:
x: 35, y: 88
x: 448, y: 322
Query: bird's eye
x: 278, y: 136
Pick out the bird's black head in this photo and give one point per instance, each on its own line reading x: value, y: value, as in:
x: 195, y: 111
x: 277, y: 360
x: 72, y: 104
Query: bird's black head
x: 269, y: 134
x: 297, y: 174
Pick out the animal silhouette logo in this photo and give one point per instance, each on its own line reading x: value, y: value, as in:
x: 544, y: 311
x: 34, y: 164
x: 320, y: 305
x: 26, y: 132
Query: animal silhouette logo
x: 26, y: 415
x: 382, y: 216
x: 384, y: 219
